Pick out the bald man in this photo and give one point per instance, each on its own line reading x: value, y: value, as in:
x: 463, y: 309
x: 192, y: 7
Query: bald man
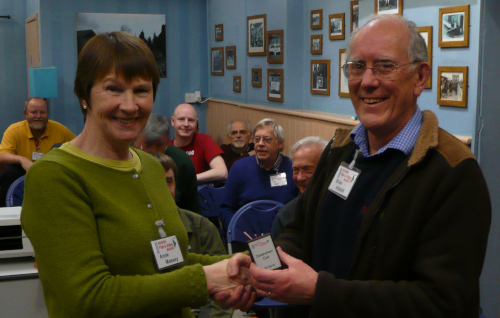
x: 201, y: 148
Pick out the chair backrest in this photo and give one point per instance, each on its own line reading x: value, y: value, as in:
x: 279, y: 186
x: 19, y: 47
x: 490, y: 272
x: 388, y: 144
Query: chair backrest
x: 253, y: 219
x: 15, y: 194
x: 210, y: 200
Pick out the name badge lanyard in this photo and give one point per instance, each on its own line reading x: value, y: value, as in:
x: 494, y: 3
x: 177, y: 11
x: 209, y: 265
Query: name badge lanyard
x: 37, y: 142
x: 345, y: 178
x: 166, y: 250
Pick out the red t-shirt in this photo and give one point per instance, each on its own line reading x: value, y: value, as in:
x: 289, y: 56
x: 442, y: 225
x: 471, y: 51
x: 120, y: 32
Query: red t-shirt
x: 202, y: 149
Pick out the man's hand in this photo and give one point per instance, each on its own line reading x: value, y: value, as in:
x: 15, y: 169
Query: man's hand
x: 294, y: 285
x: 26, y: 163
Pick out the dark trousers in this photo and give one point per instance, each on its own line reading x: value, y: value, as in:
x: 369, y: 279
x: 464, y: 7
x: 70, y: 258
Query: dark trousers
x: 8, y: 175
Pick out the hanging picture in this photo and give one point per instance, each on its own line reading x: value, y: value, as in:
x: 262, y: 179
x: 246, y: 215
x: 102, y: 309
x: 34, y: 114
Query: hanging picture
x: 354, y: 15
x: 454, y: 26
x: 237, y: 84
x: 217, y: 55
x: 317, y: 44
x: 230, y: 57
x: 219, y: 32
x: 337, y: 26
x: 275, y: 85
x: 426, y: 33
x: 343, y: 84
x: 452, y: 86
x: 256, y: 35
x: 316, y: 19
x: 256, y: 77
x: 320, y: 77
x: 148, y: 27
x: 389, y: 7
x: 275, y: 47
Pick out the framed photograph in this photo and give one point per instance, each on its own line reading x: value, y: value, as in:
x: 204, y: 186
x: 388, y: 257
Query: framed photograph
x: 389, y: 7
x: 256, y: 35
x: 426, y: 33
x: 454, y: 26
x: 275, y: 84
x: 256, y: 77
x: 354, y: 15
x: 452, y: 86
x: 237, y: 84
x: 337, y: 26
x: 317, y: 44
x: 343, y: 84
x: 275, y: 47
x: 317, y: 19
x: 320, y: 77
x: 217, y: 55
x: 219, y: 32
x: 230, y: 57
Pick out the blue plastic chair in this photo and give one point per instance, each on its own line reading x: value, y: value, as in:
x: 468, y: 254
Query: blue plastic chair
x: 15, y: 194
x: 253, y: 219
x: 210, y: 200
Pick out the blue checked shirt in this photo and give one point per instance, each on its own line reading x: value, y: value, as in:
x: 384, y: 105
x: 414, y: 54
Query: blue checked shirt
x: 404, y: 141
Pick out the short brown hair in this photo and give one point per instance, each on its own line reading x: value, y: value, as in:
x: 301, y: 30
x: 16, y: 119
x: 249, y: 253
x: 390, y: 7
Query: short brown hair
x: 127, y: 54
x: 167, y: 162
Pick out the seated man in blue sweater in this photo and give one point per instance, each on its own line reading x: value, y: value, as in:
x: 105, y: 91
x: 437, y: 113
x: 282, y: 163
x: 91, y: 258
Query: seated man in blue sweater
x: 265, y: 176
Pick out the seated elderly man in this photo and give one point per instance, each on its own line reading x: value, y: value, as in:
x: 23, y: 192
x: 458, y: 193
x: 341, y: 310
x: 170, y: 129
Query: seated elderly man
x: 305, y: 157
x: 239, y: 133
x: 265, y: 176
x: 155, y: 137
x: 202, y: 150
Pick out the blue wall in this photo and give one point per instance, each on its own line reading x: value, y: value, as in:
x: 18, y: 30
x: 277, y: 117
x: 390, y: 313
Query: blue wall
x: 293, y: 16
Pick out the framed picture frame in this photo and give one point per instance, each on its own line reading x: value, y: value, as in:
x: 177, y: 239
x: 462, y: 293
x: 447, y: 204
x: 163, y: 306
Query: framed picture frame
x: 317, y: 19
x: 320, y: 77
x: 426, y: 33
x: 219, y: 32
x: 275, y: 51
x: 343, y: 83
x: 256, y: 35
x: 231, y: 57
x: 317, y: 44
x: 389, y: 7
x: 237, y: 84
x: 336, y: 28
x: 275, y: 84
x: 217, y: 60
x: 256, y: 77
x: 454, y: 26
x: 354, y: 15
x: 452, y: 86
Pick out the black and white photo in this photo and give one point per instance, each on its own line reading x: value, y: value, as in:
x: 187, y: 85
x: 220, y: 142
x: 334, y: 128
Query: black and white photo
x: 219, y: 32
x: 256, y: 77
x: 454, y: 26
x: 317, y: 44
x: 256, y: 35
x: 354, y: 15
x: 452, y: 90
x: 320, y: 77
x: 237, y: 84
x: 316, y: 19
x: 275, y: 46
x: 343, y: 84
x: 230, y: 57
x: 217, y: 58
x: 389, y: 7
x: 275, y: 85
x: 336, y: 26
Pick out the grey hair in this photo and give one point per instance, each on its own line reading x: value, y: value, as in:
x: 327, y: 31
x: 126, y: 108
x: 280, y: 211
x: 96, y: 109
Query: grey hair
x: 277, y: 129
x: 246, y: 121
x: 156, y: 127
x: 417, y: 50
x: 30, y: 99
x: 308, y: 142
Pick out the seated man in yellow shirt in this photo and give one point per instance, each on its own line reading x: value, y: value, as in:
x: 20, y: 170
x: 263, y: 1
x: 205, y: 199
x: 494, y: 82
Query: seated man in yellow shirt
x: 28, y: 140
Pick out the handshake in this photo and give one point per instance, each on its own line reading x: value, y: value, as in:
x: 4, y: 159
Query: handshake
x: 237, y: 282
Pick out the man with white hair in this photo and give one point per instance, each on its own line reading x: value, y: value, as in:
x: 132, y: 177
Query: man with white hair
x: 305, y: 157
x: 239, y: 133
x: 266, y: 176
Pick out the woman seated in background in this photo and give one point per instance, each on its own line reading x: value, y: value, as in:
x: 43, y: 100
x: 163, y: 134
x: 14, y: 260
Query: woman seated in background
x: 99, y: 212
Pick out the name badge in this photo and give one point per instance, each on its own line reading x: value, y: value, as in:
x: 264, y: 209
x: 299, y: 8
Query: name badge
x: 167, y: 252
x: 278, y: 180
x: 264, y: 253
x: 344, y: 180
x: 36, y: 155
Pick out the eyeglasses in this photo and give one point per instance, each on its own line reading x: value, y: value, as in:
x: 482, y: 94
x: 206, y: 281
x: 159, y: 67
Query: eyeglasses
x: 381, y: 70
x: 267, y: 140
x: 241, y: 132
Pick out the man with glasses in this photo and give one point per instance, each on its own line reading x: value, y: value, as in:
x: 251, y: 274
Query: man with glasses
x: 201, y: 148
x: 266, y: 176
x: 395, y: 220
x: 239, y: 133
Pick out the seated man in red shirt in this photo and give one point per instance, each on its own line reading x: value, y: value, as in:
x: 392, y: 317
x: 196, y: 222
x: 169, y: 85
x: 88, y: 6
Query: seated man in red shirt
x: 202, y: 150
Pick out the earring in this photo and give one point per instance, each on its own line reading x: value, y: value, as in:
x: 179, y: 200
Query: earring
x: 84, y: 106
